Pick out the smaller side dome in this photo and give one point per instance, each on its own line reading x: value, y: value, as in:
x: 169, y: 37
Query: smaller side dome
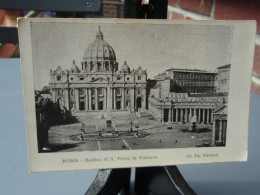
x: 74, y: 68
x: 125, y: 67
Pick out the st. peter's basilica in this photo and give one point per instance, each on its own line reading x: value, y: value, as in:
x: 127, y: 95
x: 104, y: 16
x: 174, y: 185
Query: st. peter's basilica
x: 100, y: 83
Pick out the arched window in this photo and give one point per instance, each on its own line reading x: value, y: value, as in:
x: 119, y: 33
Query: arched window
x: 60, y: 91
x: 107, y: 66
x: 117, y: 91
x: 100, y: 91
x: 58, y: 78
x: 139, y: 90
x: 98, y: 66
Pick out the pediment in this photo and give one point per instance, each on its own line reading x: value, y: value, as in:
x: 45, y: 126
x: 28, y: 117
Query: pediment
x: 221, y: 110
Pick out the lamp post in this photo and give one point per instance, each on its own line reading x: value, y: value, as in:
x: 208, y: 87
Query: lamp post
x: 137, y: 126
x: 82, y: 131
x: 131, y: 128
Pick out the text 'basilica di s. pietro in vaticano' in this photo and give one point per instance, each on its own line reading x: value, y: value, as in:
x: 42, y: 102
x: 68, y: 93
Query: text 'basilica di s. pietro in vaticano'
x: 99, y: 83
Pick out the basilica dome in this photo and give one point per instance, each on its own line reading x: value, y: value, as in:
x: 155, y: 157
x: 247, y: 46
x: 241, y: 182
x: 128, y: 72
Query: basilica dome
x: 99, y: 50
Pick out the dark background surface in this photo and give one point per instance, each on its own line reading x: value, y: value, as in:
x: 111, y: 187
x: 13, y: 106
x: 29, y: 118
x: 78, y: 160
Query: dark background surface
x: 217, y: 178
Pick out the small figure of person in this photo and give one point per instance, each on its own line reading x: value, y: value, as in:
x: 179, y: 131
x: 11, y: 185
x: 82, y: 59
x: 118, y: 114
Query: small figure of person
x: 83, y: 129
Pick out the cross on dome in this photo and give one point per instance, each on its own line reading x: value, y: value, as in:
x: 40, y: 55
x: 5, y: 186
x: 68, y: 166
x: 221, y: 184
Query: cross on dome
x: 99, y: 34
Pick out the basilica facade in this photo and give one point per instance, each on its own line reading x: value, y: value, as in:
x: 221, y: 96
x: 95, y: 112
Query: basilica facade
x: 99, y: 83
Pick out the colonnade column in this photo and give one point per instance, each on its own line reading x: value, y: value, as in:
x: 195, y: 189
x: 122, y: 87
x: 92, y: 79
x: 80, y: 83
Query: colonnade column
x: 220, y: 131
x: 77, y: 98
x: 86, y: 99
x: 105, y: 99
x: 114, y: 98
x: 96, y: 99
x: 144, y: 98
x: 213, y: 133
x: 123, y: 99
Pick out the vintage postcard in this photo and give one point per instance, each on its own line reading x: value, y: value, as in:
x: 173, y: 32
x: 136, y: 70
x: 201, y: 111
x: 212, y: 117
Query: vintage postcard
x: 106, y: 93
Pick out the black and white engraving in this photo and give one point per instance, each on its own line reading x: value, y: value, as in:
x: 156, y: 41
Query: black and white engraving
x: 125, y: 87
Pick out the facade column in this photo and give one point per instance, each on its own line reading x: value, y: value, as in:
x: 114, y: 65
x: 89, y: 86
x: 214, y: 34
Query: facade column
x: 185, y: 115
x: 177, y: 115
x: 212, y: 116
x: 181, y: 115
x: 114, y: 97
x: 199, y: 116
x: 169, y: 115
x: 96, y: 99
x: 188, y: 114
x: 123, y: 99
x: 172, y: 114
x: 67, y: 99
x: 89, y: 99
x: 109, y: 98
x: 173, y: 117
x: 105, y: 98
x: 53, y: 93
x: 208, y: 116
x: 132, y: 98
x: 86, y: 99
x: 77, y: 98
x: 203, y: 115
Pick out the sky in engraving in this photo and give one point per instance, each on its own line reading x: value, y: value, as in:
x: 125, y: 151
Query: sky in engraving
x: 154, y: 47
